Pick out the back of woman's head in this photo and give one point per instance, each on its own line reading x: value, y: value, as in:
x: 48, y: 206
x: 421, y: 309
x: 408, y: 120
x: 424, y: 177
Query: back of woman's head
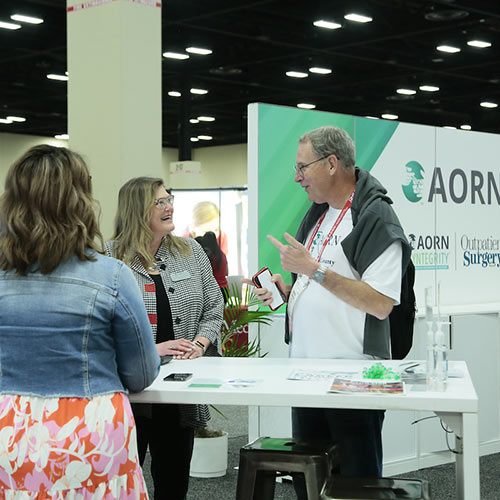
x: 47, y: 211
x: 209, y: 243
x: 203, y: 212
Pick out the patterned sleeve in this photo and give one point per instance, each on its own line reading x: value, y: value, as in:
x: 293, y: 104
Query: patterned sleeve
x: 108, y: 248
x: 213, y: 303
x: 137, y: 359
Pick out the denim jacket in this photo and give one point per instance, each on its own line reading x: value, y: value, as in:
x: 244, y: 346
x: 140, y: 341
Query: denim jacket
x: 80, y: 331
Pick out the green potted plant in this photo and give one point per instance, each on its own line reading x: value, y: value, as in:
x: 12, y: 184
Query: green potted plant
x: 239, y: 312
x: 210, y: 446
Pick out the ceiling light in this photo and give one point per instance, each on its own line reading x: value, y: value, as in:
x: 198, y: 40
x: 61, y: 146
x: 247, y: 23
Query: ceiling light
x: 371, y: 117
x: 406, y: 91
x: 296, y: 74
x: 429, y: 88
x: 62, y: 137
x: 199, y: 91
x: 205, y: 137
x: 389, y: 116
x: 358, y: 18
x: 450, y: 127
x: 194, y: 139
x: 320, y: 71
x: 448, y: 48
x: 5, y: 120
x: 175, y: 55
x: 26, y: 19
x: 479, y: 44
x: 9, y: 26
x: 62, y: 78
x: 465, y: 127
x: 199, y: 51
x: 206, y: 118
x: 486, y: 104
x: 16, y: 118
x: 304, y: 105
x: 329, y: 25
x: 174, y: 93
x: 194, y: 120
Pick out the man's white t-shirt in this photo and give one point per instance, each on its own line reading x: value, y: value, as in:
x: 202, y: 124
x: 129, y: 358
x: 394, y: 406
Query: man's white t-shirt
x: 324, y: 326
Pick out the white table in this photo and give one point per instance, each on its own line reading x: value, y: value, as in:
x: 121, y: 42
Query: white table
x: 457, y: 406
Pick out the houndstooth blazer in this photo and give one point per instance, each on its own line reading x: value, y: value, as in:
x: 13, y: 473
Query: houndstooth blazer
x: 195, y: 301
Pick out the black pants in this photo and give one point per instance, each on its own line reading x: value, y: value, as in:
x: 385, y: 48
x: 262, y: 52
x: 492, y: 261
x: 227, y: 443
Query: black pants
x: 170, y: 446
x: 358, y: 434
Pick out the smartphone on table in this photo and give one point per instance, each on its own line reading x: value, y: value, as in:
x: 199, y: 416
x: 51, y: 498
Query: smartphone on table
x: 178, y: 377
x: 262, y: 279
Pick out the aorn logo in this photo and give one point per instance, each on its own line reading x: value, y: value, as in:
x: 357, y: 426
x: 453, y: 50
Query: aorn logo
x: 457, y: 186
x: 413, y: 181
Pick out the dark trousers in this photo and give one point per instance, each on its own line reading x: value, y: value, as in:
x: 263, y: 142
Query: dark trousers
x: 170, y: 446
x: 357, y: 433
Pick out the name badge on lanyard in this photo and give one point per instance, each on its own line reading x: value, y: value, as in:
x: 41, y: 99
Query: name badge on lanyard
x: 301, y: 283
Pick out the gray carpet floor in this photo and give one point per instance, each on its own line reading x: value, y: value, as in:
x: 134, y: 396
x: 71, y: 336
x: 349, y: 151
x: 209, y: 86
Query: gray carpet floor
x: 441, y: 478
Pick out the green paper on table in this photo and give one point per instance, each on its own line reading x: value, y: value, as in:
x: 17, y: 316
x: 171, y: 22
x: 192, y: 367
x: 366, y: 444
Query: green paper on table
x: 210, y: 383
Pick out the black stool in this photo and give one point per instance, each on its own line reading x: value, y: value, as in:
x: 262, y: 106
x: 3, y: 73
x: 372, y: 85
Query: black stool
x: 265, y: 458
x: 362, y: 488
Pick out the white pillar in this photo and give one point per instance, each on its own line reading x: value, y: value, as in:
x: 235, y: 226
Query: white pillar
x: 114, y: 93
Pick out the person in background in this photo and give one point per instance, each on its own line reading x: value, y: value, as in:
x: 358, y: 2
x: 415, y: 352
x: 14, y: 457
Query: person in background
x: 185, y: 309
x: 206, y: 217
x: 74, y: 337
x: 346, y: 262
x: 218, y: 260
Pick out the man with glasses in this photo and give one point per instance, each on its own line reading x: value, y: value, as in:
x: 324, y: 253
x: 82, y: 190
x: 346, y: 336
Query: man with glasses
x: 346, y: 262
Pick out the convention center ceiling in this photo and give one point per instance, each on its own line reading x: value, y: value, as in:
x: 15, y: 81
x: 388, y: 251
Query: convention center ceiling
x: 429, y: 62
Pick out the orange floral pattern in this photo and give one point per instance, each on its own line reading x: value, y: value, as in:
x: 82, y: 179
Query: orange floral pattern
x: 69, y: 448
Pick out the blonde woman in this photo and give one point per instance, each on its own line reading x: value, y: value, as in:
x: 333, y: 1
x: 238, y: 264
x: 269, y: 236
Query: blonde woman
x: 74, y: 336
x: 206, y: 217
x: 185, y: 309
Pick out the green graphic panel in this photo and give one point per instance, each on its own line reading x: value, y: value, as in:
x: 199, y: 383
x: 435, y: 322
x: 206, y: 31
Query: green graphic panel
x: 371, y: 138
x: 282, y: 202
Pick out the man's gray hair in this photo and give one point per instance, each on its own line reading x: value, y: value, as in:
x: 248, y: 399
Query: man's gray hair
x: 332, y: 140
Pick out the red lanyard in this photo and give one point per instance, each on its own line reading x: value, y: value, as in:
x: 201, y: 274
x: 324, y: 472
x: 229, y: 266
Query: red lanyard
x: 347, y: 206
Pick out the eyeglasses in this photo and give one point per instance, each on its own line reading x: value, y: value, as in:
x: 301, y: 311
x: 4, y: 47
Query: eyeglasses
x: 162, y: 202
x: 299, y: 169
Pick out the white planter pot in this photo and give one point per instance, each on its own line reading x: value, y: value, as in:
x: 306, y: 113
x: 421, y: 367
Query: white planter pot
x: 209, y: 457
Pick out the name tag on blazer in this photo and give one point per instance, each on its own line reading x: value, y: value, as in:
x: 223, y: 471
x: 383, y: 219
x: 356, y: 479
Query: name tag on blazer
x: 183, y: 275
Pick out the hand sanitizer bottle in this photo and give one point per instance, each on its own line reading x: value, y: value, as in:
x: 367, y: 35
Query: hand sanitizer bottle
x: 437, y: 360
x: 431, y: 356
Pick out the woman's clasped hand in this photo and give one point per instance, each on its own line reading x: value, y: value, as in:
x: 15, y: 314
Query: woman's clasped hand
x: 180, y: 349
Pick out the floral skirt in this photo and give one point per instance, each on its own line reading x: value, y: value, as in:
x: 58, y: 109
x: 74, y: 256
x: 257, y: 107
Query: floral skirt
x: 69, y: 448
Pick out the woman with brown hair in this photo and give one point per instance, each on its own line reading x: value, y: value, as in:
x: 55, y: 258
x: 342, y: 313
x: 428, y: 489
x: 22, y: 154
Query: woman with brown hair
x: 185, y: 309
x: 218, y: 260
x: 74, y: 337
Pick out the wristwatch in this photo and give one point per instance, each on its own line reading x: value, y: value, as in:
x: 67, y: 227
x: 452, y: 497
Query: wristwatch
x: 319, y: 275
